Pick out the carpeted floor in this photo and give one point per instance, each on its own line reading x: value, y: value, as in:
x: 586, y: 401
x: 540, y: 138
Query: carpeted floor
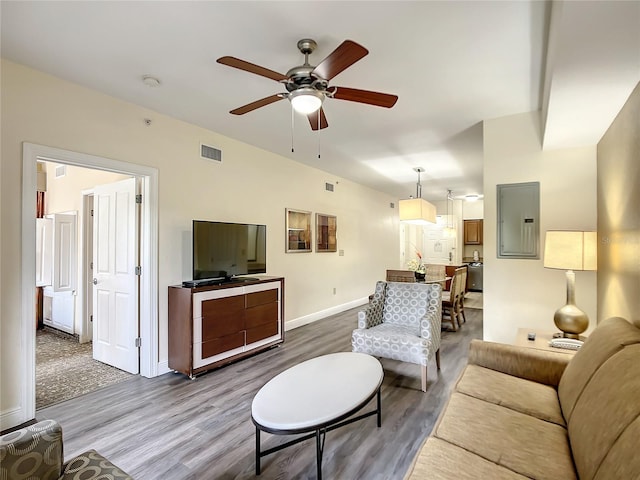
x: 66, y: 369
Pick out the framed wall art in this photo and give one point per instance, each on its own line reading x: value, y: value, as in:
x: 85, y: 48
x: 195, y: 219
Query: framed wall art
x: 326, y: 229
x: 298, y: 231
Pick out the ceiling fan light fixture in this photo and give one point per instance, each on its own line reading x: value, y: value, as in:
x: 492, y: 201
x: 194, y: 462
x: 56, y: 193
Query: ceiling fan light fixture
x: 306, y: 100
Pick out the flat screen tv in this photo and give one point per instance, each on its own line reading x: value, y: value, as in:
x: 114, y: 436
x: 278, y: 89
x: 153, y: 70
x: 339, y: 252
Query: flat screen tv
x: 223, y: 250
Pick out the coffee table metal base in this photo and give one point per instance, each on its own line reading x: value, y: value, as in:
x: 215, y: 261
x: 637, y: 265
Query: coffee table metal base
x: 319, y: 432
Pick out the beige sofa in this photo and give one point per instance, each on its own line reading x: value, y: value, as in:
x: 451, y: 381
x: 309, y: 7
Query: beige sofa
x: 518, y: 413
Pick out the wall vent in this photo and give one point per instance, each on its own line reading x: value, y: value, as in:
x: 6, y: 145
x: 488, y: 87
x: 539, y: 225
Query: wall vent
x: 210, y: 153
x: 61, y: 171
x: 328, y: 187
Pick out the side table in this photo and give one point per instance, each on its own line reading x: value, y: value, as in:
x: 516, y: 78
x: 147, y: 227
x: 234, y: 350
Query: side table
x: 541, y: 342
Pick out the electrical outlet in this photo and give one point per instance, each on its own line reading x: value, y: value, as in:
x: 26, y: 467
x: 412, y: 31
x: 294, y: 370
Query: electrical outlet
x: 341, y: 253
x: 334, y: 290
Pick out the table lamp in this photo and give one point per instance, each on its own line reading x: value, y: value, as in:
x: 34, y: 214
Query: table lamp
x: 570, y: 250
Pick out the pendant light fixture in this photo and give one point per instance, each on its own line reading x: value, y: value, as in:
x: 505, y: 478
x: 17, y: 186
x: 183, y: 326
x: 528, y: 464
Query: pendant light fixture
x: 449, y: 231
x: 417, y: 210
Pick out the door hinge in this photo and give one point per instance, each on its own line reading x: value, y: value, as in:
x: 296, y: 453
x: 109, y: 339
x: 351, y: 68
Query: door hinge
x: 138, y: 342
x: 139, y: 198
x: 138, y: 270
x: 91, y: 318
x: 92, y: 212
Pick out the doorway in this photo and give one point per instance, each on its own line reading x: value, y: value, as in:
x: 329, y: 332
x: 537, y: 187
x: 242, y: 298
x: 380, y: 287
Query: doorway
x: 69, y: 360
x: 148, y: 295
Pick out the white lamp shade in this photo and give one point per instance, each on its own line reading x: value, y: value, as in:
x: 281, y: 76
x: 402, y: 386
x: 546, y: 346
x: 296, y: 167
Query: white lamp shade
x: 570, y: 250
x: 417, y: 211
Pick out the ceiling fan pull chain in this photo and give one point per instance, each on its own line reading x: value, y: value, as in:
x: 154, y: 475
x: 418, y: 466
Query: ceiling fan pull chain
x: 319, y: 130
x: 292, y: 118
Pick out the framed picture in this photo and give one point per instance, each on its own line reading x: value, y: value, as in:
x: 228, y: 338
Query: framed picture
x: 326, y: 228
x: 298, y: 230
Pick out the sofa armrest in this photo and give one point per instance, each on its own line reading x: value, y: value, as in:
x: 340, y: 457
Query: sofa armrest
x: 537, y: 365
x: 41, y: 442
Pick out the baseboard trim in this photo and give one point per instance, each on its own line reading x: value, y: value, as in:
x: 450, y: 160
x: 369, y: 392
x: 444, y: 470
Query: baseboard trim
x: 163, y: 367
x: 314, y: 317
x: 12, y: 418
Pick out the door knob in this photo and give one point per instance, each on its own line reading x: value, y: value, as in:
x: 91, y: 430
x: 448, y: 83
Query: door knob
x: 95, y: 281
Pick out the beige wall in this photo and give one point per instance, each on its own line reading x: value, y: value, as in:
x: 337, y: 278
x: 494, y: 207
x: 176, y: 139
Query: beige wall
x: 64, y: 194
x: 251, y: 185
x: 522, y: 293
x: 619, y: 214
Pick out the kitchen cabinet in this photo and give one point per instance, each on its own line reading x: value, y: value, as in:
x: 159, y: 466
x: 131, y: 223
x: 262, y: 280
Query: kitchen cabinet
x: 473, y: 232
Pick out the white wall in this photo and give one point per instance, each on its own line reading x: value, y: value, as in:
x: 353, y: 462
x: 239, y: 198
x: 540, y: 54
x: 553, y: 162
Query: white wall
x: 251, y: 185
x: 473, y: 210
x: 522, y: 293
x: 64, y: 194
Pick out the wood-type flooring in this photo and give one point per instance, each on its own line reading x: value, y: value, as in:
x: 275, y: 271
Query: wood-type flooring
x: 171, y: 427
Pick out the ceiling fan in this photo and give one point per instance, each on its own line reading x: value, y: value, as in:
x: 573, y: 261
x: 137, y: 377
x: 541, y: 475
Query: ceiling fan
x: 308, y: 86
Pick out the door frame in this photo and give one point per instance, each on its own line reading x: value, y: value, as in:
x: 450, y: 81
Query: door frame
x: 84, y: 286
x: 31, y: 153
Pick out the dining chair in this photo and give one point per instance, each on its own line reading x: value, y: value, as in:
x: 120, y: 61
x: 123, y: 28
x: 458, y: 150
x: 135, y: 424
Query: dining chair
x: 401, y: 276
x: 463, y: 291
x: 451, y: 300
x: 435, y: 272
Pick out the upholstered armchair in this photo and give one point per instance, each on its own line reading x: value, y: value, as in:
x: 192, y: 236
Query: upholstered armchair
x: 402, y: 322
x: 35, y: 453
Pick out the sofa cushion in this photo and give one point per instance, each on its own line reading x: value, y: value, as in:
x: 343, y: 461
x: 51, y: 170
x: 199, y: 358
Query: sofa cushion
x: 519, y: 442
x: 516, y: 393
x: 438, y: 459
x: 394, y: 341
x: 91, y: 464
x: 610, y: 337
x: 608, y: 405
x: 622, y: 460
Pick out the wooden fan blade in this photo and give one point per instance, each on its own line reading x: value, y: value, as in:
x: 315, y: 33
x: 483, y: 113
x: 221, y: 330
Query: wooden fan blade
x: 340, y: 59
x: 365, y: 96
x: 313, y: 120
x: 257, y: 104
x: 251, y: 68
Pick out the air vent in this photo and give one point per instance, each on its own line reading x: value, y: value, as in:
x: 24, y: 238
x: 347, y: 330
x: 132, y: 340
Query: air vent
x: 210, y: 152
x: 328, y: 187
x: 61, y: 171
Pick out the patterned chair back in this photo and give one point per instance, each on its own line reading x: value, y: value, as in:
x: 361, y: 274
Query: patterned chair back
x: 406, y: 303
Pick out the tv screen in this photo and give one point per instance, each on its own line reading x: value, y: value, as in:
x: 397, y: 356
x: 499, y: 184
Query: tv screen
x: 223, y: 250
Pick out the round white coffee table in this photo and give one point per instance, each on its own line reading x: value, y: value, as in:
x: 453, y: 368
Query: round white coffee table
x: 318, y: 396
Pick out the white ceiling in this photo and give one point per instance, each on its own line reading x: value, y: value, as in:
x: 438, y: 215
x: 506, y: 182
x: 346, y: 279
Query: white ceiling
x: 453, y: 64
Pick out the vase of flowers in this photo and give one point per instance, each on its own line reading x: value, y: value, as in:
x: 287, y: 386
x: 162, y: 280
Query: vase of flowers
x: 417, y: 267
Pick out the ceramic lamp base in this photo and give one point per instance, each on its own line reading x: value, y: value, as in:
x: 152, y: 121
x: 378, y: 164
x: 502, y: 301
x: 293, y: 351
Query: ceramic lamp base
x: 571, y: 320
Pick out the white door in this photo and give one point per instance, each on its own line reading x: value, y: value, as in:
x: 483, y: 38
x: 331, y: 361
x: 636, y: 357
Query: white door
x: 44, y: 251
x: 438, y: 247
x: 115, y: 292
x: 65, y: 252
